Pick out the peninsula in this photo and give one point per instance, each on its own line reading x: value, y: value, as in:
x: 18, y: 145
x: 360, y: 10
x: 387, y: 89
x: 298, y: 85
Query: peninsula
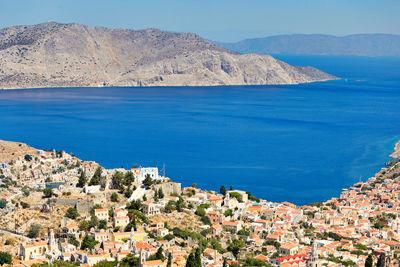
x: 74, y: 55
x: 56, y: 207
x: 396, y: 152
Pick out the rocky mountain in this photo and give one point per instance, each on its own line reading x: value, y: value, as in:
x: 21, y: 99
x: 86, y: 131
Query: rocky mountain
x: 68, y: 55
x: 320, y: 44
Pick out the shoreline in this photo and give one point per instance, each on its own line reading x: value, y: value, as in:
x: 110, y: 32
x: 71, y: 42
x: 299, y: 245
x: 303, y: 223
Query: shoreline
x: 395, y: 155
x: 169, y: 86
x: 396, y: 151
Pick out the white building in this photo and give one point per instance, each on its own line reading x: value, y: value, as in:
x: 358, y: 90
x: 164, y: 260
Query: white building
x: 141, y: 173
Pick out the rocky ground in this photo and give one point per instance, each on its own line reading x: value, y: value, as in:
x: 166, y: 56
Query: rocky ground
x: 12, y: 150
x: 177, y: 219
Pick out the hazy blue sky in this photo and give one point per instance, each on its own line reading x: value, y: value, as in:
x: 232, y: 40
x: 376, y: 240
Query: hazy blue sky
x: 221, y: 20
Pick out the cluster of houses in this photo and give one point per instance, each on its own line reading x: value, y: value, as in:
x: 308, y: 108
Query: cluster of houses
x: 362, y: 221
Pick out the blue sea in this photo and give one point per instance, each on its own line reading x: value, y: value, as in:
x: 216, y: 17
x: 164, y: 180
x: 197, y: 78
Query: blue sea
x: 300, y: 143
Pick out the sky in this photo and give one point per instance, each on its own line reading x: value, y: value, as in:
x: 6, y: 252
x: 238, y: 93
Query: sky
x: 218, y: 20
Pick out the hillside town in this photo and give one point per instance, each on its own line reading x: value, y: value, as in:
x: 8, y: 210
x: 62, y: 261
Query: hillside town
x: 59, y: 210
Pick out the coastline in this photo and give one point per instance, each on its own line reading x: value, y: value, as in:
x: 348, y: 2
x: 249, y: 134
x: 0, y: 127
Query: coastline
x: 396, y: 151
x: 27, y: 148
x: 167, y: 85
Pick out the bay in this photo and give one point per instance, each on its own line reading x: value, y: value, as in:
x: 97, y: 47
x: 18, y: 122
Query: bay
x: 297, y: 143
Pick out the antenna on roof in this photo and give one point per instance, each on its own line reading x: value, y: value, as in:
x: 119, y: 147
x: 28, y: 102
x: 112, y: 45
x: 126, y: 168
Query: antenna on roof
x: 163, y: 169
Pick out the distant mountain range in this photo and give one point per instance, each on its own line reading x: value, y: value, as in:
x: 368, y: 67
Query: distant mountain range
x: 319, y: 44
x: 74, y: 55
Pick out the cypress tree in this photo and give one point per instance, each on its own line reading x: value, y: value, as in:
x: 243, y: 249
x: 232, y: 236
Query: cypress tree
x: 197, y: 257
x: 96, y: 177
x: 224, y: 264
x: 369, y: 261
x: 381, y: 260
x: 82, y: 179
x: 169, y: 263
x: 190, y: 262
x: 223, y: 190
x: 160, y: 194
x: 160, y: 254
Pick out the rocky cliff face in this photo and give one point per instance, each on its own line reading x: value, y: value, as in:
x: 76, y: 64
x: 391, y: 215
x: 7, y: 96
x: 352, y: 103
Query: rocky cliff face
x: 66, y: 55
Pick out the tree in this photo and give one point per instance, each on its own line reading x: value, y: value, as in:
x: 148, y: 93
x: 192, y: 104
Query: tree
x: 180, y: 204
x: 223, y: 190
x: 72, y: 213
x: 255, y: 262
x: 155, y: 197
x: 159, y: 255
x: 103, y: 182
x: 48, y: 192
x: 94, y: 208
x: 228, y: 213
x: 134, y: 223
x: 236, y: 195
x: 34, y: 230
x: 72, y: 240
x: 84, y: 225
x: 135, y: 205
x: 128, y: 192
x: 197, y: 257
x: 82, y: 180
x: 194, y: 185
x: 200, y: 211
x: 111, y: 213
x: 3, y: 204
x: 381, y: 260
x: 117, y: 180
x: 130, y: 260
x: 215, y: 244
x: 129, y: 178
x: 96, y: 177
x: 170, y: 206
x: 148, y: 181
x: 231, y: 188
x: 160, y: 194
x: 24, y: 205
x: 88, y: 243
x: 190, y: 262
x: 114, y: 197
x: 169, y: 262
x: 93, y: 222
x: 5, y: 258
x: 224, y: 264
x: 102, y: 224
x: 105, y: 263
x: 369, y: 262
x: 26, y: 192
x: 206, y: 220
x: 235, y: 246
x: 28, y: 157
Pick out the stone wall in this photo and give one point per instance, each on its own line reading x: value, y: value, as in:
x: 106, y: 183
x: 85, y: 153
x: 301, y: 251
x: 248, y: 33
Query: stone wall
x: 82, y: 205
x: 66, y: 201
x: 169, y: 188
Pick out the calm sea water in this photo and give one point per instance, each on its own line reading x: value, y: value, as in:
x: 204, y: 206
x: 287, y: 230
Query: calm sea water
x: 298, y: 143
